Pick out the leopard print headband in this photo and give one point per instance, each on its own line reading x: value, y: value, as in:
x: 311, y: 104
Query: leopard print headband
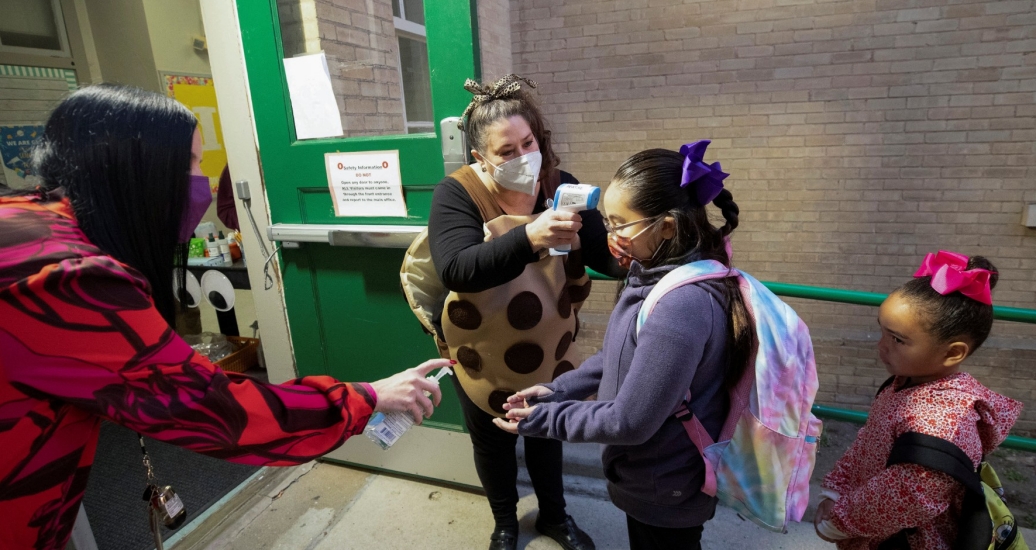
x: 504, y: 88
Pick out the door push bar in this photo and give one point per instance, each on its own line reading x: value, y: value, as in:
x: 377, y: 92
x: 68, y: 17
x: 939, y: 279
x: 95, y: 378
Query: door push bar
x: 454, y: 156
x: 454, y: 144
x: 372, y: 236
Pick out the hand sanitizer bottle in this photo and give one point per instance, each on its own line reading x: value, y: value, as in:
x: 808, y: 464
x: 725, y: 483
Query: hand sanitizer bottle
x: 386, y: 429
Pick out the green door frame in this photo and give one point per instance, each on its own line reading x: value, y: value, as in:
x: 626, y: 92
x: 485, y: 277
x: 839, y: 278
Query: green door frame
x: 296, y: 185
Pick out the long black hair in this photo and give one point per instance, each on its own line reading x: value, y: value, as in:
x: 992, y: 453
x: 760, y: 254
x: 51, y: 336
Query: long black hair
x: 123, y: 157
x: 651, y: 182
x: 954, y: 315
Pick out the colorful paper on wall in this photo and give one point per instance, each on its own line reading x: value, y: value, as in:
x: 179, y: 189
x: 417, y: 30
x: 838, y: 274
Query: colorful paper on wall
x: 16, y: 143
x: 198, y: 93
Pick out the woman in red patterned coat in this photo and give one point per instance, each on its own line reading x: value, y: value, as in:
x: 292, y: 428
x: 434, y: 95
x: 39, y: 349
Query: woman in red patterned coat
x: 86, y: 304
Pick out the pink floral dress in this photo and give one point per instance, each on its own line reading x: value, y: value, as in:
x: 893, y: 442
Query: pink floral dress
x: 875, y: 502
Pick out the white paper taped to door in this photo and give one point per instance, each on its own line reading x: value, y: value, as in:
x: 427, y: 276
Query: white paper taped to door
x: 366, y: 183
x: 312, y: 98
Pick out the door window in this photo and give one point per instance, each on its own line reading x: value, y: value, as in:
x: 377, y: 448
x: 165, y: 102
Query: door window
x: 32, y: 26
x: 377, y: 59
x: 343, y: 302
x: 413, y: 64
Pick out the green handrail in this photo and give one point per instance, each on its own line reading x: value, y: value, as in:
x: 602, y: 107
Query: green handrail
x: 876, y: 298
x: 859, y: 417
x: 859, y: 297
x: 1019, y: 315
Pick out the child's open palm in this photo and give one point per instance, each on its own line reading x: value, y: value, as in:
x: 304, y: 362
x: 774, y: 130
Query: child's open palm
x: 518, y: 407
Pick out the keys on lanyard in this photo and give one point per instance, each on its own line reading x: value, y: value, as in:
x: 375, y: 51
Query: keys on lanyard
x: 164, y: 505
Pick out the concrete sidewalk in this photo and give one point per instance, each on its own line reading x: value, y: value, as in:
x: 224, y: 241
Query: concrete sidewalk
x: 322, y: 506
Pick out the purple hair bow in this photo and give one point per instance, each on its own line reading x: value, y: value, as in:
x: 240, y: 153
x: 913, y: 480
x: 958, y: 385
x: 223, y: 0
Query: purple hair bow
x: 707, y: 179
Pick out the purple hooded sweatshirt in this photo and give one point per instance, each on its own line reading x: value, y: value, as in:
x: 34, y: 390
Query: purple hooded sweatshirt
x: 654, y: 472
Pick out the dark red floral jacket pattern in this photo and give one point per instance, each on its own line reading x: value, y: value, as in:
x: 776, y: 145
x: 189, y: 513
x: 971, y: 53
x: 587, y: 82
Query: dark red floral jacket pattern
x: 81, y: 341
x: 875, y: 502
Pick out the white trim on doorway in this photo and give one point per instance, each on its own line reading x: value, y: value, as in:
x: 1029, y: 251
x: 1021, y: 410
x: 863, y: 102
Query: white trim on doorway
x: 226, y: 57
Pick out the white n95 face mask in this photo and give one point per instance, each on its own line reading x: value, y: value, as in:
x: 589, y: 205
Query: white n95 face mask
x: 519, y: 174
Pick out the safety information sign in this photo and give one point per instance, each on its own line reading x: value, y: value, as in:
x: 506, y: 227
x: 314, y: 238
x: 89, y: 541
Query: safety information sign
x: 366, y: 183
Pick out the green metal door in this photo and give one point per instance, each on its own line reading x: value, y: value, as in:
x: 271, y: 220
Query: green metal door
x: 347, y: 316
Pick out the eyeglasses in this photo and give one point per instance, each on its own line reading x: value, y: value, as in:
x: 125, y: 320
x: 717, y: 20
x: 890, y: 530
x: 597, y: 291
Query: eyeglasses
x: 614, y: 228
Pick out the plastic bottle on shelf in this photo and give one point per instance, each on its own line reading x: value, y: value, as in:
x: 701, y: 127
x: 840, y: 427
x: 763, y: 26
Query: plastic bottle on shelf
x: 234, y: 239
x: 224, y: 248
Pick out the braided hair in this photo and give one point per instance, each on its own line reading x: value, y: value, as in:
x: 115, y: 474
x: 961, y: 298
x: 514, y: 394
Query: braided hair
x: 503, y: 99
x: 651, y: 182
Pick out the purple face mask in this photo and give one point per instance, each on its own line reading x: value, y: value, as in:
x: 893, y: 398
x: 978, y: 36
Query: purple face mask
x: 198, y: 201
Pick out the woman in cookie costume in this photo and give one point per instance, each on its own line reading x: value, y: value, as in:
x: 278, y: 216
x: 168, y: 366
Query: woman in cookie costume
x: 510, y: 317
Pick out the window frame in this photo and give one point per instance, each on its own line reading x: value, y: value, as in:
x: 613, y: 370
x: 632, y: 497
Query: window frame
x: 62, y: 32
x: 413, y: 31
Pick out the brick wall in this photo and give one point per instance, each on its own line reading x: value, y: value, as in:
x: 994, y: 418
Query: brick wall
x: 494, y: 38
x: 850, y: 373
x: 359, y: 39
x: 859, y: 134
x: 299, y: 29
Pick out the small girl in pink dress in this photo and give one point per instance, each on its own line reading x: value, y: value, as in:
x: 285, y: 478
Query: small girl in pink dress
x: 929, y: 326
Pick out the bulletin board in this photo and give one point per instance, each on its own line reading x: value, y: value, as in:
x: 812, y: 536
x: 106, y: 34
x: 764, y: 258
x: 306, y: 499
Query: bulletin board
x: 198, y: 93
x: 22, y: 125
x: 16, y: 144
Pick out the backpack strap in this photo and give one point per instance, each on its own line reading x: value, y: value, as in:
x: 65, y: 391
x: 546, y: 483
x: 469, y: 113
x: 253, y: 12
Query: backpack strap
x: 884, y: 385
x: 943, y: 456
x: 701, y: 439
x: 938, y: 454
x: 688, y: 274
x: 684, y: 275
x: 483, y: 199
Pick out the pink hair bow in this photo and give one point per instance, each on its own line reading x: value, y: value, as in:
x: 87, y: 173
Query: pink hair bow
x: 949, y: 272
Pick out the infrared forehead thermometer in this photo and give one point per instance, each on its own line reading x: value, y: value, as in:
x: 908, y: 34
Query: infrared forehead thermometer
x: 574, y: 197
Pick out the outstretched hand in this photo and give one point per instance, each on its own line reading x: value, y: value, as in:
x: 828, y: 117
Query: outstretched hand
x: 517, y: 407
x: 520, y: 400
x: 509, y: 426
x: 405, y: 391
x: 824, y: 510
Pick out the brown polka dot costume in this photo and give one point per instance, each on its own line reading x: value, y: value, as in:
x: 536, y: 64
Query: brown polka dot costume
x: 520, y: 333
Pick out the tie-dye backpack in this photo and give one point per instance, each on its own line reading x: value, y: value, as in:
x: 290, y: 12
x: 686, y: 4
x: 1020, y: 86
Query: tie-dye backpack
x: 763, y: 460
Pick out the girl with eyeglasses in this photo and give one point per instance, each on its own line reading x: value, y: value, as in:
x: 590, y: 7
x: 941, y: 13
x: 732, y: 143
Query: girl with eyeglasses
x: 698, y: 337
